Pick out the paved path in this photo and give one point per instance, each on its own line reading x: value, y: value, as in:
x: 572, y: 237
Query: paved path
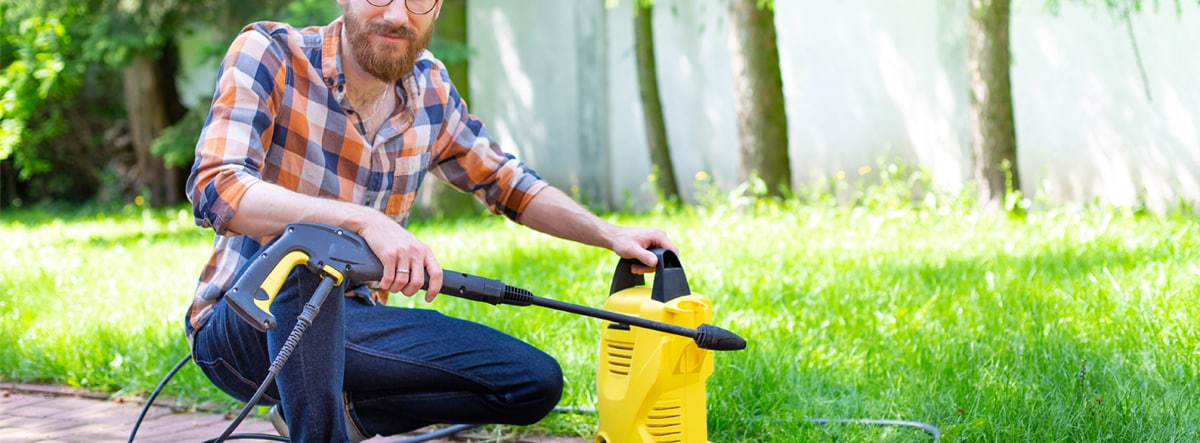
x: 45, y: 414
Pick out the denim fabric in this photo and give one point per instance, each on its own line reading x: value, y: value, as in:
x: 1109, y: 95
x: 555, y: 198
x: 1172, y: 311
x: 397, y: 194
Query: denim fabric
x: 391, y: 370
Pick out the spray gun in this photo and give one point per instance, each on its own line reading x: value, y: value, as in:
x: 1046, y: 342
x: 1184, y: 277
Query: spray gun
x: 340, y: 255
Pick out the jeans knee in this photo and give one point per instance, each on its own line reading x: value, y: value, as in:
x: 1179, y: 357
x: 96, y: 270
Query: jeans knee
x: 546, y: 389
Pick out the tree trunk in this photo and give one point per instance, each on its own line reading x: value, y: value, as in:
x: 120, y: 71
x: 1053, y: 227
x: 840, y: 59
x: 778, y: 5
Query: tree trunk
x: 762, y: 118
x: 452, y: 27
x: 439, y: 199
x: 147, y: 118
x: 662, y: 169
x: 993, y: 131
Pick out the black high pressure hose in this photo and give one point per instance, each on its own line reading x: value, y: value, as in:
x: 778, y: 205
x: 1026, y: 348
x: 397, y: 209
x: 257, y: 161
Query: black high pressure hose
x: 303, y: 321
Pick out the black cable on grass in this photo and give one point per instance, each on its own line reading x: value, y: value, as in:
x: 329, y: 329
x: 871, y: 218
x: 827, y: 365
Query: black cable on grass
x: 146, y: 407
x: 928, y: 428
x: 158, y: 390
x: 447, y: 431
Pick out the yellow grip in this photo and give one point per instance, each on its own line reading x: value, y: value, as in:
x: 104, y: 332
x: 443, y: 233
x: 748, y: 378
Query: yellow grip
x: 275, y: 279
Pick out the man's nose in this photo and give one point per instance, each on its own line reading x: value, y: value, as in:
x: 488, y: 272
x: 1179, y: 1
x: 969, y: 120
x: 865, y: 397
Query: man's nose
x: 396, y: 13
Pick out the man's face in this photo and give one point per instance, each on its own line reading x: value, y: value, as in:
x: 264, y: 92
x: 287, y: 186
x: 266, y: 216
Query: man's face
x: 386, y: 41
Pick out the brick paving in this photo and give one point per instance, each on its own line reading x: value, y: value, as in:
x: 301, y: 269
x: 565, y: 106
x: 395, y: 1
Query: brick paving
x: 49, y: 414
x: 34, y: 413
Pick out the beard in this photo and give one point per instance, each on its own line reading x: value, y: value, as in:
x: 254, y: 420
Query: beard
x: 383, y: 59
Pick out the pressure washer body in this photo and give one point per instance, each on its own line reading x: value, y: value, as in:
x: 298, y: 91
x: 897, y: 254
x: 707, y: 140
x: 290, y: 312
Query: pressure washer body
x: 650, y: 385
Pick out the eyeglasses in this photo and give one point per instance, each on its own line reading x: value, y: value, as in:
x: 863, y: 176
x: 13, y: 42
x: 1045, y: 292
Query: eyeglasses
x: 419, y: 7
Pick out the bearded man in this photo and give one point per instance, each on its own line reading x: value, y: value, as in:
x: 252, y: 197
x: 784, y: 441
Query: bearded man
x: 339, y: 124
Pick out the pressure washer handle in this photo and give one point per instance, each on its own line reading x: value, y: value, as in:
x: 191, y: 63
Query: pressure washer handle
x: 325, y: 250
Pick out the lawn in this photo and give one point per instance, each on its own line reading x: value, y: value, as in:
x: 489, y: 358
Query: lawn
x: 1056, y: 324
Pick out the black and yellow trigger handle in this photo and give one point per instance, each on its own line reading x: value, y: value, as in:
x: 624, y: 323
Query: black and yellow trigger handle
x: 325, y: 250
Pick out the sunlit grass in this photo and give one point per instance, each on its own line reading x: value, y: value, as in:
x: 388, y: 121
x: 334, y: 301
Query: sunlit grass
x: 1061, y: 324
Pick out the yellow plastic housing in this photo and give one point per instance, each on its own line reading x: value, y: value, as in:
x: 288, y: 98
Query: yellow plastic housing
x: 650, y: 385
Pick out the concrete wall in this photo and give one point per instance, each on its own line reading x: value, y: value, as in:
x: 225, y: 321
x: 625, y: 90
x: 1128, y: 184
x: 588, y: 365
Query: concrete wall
x: 537, y: 80
x: 864, y: 80
x: 1087, y: 125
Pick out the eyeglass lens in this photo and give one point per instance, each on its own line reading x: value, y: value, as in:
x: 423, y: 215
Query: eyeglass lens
x: 418, y: 7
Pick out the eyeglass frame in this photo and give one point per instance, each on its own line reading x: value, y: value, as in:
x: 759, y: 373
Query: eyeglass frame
x: 386, y: 3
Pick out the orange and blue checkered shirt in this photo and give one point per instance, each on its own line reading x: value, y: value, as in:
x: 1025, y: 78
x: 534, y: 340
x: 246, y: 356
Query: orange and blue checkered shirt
x: 280, y: 114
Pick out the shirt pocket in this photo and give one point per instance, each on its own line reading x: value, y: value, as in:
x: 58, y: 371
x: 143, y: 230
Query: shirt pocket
x: 406, y: 181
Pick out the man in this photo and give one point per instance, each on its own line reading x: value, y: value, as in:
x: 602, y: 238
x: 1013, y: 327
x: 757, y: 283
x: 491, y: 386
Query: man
x: 338, y: 125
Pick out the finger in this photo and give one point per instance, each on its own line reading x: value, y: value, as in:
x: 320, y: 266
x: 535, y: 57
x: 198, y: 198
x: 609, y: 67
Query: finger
x: 416, y: 277
x: 390, y: 281
x: 649, y: 262
x: 666, y: 244
x: 434, y: 274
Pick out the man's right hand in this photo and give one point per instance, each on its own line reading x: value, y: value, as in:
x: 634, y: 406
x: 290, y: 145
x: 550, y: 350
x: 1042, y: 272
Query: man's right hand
x: 267, y: 208
x: 407, y: 261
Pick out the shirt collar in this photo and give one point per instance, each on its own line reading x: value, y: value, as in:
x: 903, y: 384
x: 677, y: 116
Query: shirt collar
x: 331, y: 55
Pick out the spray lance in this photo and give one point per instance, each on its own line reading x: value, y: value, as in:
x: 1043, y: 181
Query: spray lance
x: 333, y: 252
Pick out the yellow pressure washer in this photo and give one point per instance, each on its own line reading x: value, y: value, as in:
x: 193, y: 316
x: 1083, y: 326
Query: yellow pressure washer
x: 650, y: 384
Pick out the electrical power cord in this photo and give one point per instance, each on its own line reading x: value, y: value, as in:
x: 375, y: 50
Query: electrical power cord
x: 928, y: 428
x: 158, y: 390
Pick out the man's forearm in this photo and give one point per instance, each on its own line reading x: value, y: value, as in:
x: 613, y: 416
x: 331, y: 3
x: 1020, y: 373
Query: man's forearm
x: 553, y: 212
x: 267, y: 208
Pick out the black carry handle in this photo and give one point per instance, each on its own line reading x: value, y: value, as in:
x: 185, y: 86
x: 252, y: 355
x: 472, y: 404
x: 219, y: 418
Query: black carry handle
x: 670, y: 281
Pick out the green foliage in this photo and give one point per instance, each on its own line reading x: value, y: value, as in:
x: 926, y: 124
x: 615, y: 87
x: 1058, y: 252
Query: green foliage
x: 310, y: 12
x: 1119, y: 7
x: 38, y: 69
x: 123, y: 27
x: 450, y: 52
x: 177, y: 143
x: 60, y: 123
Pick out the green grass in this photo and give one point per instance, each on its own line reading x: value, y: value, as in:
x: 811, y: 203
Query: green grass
x: 1062, y: 324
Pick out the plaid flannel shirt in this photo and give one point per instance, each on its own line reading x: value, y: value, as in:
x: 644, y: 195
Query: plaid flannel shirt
x: 280, y: 114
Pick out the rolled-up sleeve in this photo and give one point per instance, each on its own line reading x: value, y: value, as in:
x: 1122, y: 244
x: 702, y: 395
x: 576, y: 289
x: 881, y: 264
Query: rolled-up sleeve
x: 467, y: 158
x: 231, y: 148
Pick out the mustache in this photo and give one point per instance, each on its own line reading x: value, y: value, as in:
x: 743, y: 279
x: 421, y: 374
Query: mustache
x: 401, y: 31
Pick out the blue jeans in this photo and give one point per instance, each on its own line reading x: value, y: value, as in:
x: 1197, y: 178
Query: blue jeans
x: 389, y: 370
